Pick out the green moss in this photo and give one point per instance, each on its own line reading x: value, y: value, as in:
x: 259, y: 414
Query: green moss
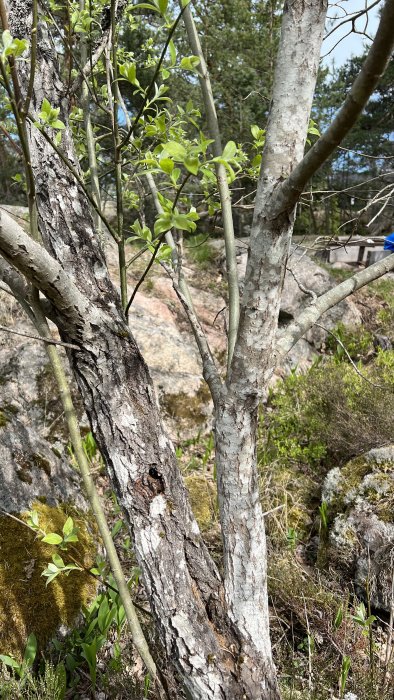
x: 202, y: 494
x: 26, y: 603
x: 3, y: 419
x: 188, y: 408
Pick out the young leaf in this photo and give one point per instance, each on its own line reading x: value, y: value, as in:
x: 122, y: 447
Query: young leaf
x: 30, y: 650
x: 172, y: 50
x: 6, y: 39
x: 163, y: 4
x: 192, y: 164
x: 163, y: 223
x: 9, y: 661
x: 182, y: 222
x: 176, y: 150
x: 68, y: 526
x: 166, y: 165
x: 57, y: 124
x: 58, y: 561
x: 190, y: 63
x: 52, y: 538
x: 230, y: 150
x: 116, y: 528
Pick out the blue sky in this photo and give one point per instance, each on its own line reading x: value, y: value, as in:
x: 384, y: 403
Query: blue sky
x: 351, y: 45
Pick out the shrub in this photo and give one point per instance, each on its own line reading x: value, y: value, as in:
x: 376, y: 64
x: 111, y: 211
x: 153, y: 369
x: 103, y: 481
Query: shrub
x: 330, y: 413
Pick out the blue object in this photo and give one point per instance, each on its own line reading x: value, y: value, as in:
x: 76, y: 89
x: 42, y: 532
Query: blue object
x: 389, y: 242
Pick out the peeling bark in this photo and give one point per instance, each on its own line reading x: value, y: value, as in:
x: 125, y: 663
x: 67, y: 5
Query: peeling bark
x: 186, y: 593
x: 216, y: 633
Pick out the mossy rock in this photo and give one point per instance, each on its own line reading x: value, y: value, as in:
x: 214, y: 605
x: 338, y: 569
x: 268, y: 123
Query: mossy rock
x: 360, y: 499
x: 203, y: 499
x: 188, y: 410
x: 364, y: 482
x: 27, y: 604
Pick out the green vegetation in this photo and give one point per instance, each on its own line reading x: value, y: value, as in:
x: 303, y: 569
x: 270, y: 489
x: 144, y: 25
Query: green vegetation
x: 23, y: 560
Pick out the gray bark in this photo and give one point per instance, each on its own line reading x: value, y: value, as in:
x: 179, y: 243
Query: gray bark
x: 217, y: 635
x: 236, y: 420
x: 183, y: 585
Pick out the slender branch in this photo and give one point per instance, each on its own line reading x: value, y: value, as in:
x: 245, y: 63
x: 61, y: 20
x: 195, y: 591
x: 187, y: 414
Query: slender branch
x: 352, y: 18
x: 153, y: 81
x: 33, y: 58
x: 312, y: 313
x: 210, y: 372
x: 90, y: 141
x: 38, y: 266
x: 113, y: 89
x: 11, y: 140
x: 50, y: 341
x: 143, y: 276
x: 362, y: 88
x: 224, y: 190
x: 387, y: 387
x: 94, y: 500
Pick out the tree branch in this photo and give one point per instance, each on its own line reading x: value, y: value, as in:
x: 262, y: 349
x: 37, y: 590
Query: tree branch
x: 362, y: 88
x: 326, y: 301
x: 224, y: 190
x: 35, y: 263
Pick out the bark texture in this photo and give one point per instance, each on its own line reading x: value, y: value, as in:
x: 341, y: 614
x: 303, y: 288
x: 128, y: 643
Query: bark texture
x: 186, y: 593
x: 216, y: 633
x: 236, y: 419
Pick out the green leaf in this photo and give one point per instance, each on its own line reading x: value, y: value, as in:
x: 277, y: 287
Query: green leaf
x: 230, y: 150
x: 129, y: 71
x: 182, y: 222
x: 30, y: 650
x: 163, y: 223
x: 34, y: 517
x: 176, y: 150
x: 255, y: 131
x: 57, y: 124
x: 9, y: 661
x: 190, y: 63
x: 52, y: 538
x: 58, y: 561
x: 175, y: 175
x: 68, y: 526
x: 72, y: 567
x: 163, y: 4
x: 166, y: 165
x: 192, y: 164
x: 172, y: 50
x: 46, y: 107
x: 71, y: 538
x: 145, y: 6
x: 338, y: 618
x: 116, y: 528
x: 6, y: 39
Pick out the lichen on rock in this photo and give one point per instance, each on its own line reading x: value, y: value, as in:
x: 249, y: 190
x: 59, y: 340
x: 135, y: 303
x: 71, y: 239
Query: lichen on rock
x: 360, y: 497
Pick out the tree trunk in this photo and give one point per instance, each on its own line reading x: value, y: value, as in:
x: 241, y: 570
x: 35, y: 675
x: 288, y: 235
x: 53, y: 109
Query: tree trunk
x: 214, y: 658
x: 216, y: 633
